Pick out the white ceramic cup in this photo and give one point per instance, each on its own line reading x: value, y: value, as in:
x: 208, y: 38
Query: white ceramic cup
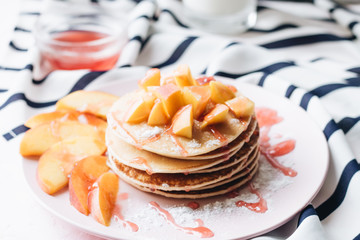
x: 221, y: 16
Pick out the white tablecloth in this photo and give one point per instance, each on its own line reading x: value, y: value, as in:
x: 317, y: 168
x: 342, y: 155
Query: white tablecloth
x: 306, y: 52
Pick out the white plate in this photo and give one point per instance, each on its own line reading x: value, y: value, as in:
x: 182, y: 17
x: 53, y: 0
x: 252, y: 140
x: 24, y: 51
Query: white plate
x: 285, y: 196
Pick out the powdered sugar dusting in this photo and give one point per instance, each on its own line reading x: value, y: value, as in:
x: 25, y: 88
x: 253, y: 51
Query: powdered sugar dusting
x: 149, y: 133
x: 212, y: 143
x: 194, y: 144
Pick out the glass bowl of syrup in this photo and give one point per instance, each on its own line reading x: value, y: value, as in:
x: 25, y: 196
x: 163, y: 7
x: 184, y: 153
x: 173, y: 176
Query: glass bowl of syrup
x: 71, y: 40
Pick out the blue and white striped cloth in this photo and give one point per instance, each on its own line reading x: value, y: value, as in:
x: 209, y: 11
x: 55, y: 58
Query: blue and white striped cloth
x: 306, y: 52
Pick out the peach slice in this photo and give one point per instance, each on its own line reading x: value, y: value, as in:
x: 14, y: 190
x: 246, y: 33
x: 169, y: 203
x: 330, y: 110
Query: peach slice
x: 57, y: 162
x: 152, y: 78
x: 241, y: 106
x: 139, y: 110
x: 157, y: 114
x: 66, y: 115
x: 220, y: 93
x: 183, y: 122
x: 217, y: 115
x: 95, y: 102
x: 166, y: 79
x: 83, y: 175
x: 183, y: 76
x: 204, y: 80
x: 171, y: 98
x: 37, y: 140
x: 102, y: 197
x: 198, y: 96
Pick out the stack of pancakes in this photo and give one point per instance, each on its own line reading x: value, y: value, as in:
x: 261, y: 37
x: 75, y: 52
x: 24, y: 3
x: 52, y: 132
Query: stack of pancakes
x: 215, y: 161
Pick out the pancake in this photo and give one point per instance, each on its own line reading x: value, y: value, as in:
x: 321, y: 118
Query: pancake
x: 203, y: 141
x: 241, y: 155
x: 175, y: 181
x: 129, y: 155
x: 204, y: 193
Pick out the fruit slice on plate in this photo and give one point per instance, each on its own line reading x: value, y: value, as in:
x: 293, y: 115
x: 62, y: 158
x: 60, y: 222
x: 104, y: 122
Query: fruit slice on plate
x: 83, y: 175
x: 57, y: 162
x: 95, y: 102
x: 37, y: 140
x: 102, y: 197
x: 65, y: 115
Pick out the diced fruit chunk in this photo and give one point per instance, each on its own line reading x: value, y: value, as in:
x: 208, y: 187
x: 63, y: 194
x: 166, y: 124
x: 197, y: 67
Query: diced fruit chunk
x: 57, y: 162
x: 217, y: 115
x: 102, y: 197
x: 171, y: 98
x: 204, y: 80
x: 152, y: 78
x: 139, y: 110
x: 83, y: 175
x: 167, y: 79
x: 198, y: 97
x: 183, y: 122
x: 37, y: 140
x: 183, y: 76
x: 220, y: 93
x: 241, y: 106
x: 157, y: 115
x: 95, y: 102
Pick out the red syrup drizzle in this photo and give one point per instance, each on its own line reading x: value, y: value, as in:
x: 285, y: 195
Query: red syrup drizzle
x: 267, y: 118
x: 218, y: 135
x: 138, y: 144
x: 193, y: 205
x: 120, y: 218
x: 142, y: 161
x: 260, y: 206
x: 200, y: 230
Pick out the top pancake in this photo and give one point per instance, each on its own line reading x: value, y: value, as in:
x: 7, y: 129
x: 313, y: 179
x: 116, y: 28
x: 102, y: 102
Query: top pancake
x: 158, y: 140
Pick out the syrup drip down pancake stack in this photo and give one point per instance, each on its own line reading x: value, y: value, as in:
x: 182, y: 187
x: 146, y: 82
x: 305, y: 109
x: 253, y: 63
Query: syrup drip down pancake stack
x: 182, y: 137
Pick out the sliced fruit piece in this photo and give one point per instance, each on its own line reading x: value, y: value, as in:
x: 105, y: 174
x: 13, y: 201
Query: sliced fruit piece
x: 204, y: 80
x: 95, y: 102
x: 232, y: 88
x: 138, y: 112
x: 241, y: 106
x: 83, y: 175
x: 102, y: 197
x: 183, y: 76
x: 167, y: 79
x: 149, y: 99
x: 183, y: 122
x: 198, y: 96
x: 217, y: 115
x: 220, y: 93
x: 171, y: 98
x: 152, y: 78
x: 37, y: 140
x: 57, y: 162
x: 157, y: 114
x: 65, y: 115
